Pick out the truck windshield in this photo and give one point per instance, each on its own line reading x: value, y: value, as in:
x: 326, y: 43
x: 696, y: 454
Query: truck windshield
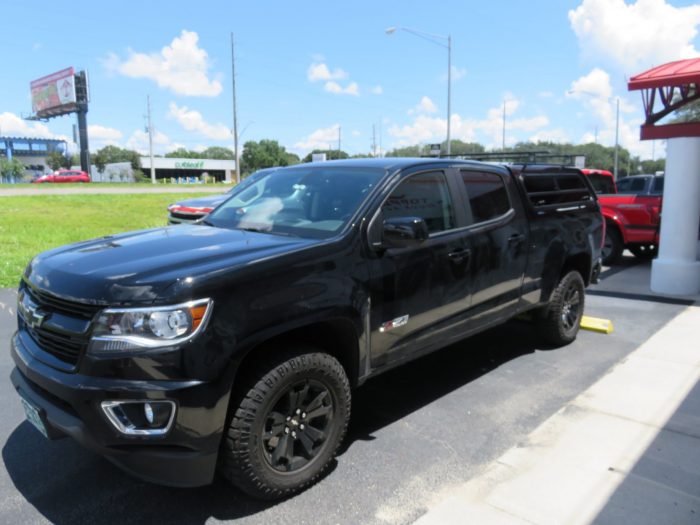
x: 309, y: 201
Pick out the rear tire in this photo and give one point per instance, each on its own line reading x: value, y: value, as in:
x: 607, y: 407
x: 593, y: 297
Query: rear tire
x: 560, y: 321
x: 612, y: 246
x: 286, y: 427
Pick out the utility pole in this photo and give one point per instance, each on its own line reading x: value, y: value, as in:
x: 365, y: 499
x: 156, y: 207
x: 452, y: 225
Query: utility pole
x: 235, y: 114
x: 150, y: 140
x: 617, y: 136
x: 374, y: 141
x: 503, y: 142
x: 380, y: 138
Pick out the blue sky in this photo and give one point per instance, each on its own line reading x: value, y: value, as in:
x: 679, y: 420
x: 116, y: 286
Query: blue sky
x: 304, y: 69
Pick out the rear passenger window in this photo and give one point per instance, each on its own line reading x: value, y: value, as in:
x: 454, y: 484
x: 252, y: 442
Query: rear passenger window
x: 631, y: 185
x: 425, y: 195
x: 658, y: 187
x: 487, y: 193
x: 556, y: 188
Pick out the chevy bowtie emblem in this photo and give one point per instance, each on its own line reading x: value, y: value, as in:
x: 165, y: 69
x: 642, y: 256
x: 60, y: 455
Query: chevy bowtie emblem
x: 30, y: 311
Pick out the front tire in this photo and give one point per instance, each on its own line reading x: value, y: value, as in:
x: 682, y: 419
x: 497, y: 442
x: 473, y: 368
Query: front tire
x: 561, y: 319
x: 287, y: 427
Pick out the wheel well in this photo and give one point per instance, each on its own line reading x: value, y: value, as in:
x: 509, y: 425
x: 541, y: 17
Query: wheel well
x: 581, y: 263
x: 612, y: 225
x: 336, y: 337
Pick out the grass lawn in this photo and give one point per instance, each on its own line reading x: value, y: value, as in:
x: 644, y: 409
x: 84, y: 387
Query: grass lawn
x: 87, y: 187
x: 29, y: 225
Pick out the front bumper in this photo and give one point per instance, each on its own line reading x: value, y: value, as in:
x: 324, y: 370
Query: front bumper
x: 69, y: 404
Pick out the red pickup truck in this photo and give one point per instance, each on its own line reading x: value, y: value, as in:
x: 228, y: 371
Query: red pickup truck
x: 632, y: 217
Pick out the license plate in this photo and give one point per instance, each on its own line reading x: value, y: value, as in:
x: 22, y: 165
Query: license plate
x: 33, y: 417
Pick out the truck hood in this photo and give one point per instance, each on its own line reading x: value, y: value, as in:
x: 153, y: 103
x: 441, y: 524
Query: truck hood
x: 137, y: 267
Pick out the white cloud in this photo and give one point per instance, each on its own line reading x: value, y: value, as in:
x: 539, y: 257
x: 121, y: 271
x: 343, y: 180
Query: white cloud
x: 594, y: 91
x: 636, y: 35
x: 322, y: 138
x: 100, y: 136
x: 550, y: 135
x: 138, y: 141
x: 426, y: 129
x: 350, y: 89
x: 424, y: 106
x: 377, y: 90
x: 193, y: 121
x: 13, y: 126
x: 321, y: 72
x: 458, y: 72
x: 545, y: 94
x: 182, y: 67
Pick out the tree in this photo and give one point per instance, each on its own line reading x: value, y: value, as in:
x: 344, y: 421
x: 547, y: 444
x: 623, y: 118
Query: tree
x: 652, y: 166
x: 417, y: 150
x: 112, y: 154
x: 457, y: 147
x: 331, y: 154
x: 688, y: 113
x: 218, y: 152
x: 56, y: 160
x: 182, y: 153
x: 264, y: 154
x: 11, y: 168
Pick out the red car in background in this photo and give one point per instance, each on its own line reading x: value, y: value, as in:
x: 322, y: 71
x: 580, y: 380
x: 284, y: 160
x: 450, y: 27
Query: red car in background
x: 64, y: 176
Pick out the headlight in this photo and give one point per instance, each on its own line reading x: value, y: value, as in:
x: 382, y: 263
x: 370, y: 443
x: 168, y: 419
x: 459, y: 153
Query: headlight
x: 133, y: 329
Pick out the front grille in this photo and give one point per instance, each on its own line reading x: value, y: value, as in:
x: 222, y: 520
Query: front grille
x: 72, y: 308
x: 66, y: 346
x: 186, y: 216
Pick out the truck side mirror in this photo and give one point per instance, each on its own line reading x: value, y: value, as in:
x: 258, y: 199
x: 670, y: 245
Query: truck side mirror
x: 404, y: 232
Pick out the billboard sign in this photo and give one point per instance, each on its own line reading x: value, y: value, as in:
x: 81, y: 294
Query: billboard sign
x: 54, y: 94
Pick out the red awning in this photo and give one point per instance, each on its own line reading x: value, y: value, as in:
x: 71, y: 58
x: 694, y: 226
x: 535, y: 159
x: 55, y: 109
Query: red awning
x: 679, y: 73
x: 665, y: 89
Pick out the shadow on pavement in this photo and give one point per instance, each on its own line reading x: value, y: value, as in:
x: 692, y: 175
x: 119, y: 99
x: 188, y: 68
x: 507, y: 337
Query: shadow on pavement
x: 394, y: 394
x: 68, y: 484
x: 664, y: 484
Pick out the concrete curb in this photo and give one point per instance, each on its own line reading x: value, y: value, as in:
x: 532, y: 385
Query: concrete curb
x: 625, y: 450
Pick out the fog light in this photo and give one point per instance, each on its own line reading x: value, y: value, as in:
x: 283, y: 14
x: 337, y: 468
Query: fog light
x: 140, y: 418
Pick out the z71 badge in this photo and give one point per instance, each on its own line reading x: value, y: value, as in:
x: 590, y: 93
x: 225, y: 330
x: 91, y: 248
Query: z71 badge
x: 395, y: 323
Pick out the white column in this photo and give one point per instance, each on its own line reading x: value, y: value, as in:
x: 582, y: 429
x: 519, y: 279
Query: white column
x: 677, y: 271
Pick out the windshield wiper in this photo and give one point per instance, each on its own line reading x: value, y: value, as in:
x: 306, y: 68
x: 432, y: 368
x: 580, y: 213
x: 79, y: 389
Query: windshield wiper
x: 269, y: 232
x: 204, y: 221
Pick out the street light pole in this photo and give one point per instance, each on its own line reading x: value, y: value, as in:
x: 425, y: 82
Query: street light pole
x: 431, y: 37
x: 617, y: 136
x: 449, y: 92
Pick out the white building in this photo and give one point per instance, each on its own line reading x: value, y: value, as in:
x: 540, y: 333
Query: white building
x: 185, y: 168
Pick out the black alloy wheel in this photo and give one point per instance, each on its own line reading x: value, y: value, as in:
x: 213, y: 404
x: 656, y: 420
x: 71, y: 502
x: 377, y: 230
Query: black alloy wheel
x: 571, y: 305
x: 289, y: 414
x: 297, y: 426
x: 560, y: 320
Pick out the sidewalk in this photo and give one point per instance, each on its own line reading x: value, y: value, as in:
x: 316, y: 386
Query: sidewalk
x: 627, y: 450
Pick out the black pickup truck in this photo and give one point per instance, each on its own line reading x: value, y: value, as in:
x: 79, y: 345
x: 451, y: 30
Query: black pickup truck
x: 234, y: 343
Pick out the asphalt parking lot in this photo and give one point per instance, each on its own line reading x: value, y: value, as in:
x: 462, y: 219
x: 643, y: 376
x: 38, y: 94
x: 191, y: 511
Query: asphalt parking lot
x: 415, y: 432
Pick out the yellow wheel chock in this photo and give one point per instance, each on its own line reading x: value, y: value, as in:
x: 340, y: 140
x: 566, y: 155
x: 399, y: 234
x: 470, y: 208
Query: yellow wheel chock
x: 594, y: 324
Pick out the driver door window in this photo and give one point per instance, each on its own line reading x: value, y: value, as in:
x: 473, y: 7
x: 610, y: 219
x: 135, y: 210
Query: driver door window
x: 425, y: 195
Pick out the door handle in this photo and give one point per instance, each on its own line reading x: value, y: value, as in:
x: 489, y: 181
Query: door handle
x: 516, y: 238
x: 459, y: 256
